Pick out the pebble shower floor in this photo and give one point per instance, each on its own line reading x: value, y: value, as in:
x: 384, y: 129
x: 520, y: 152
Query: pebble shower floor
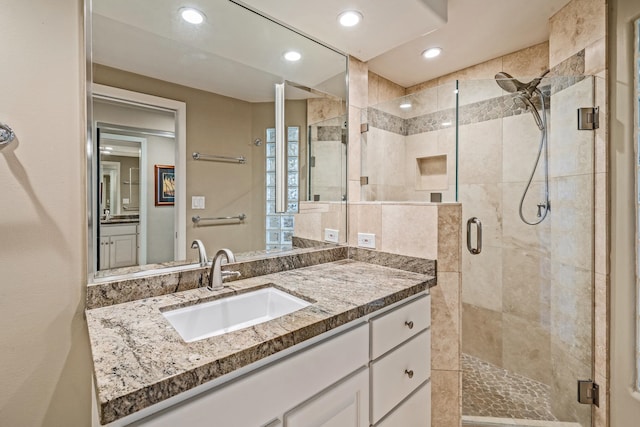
x: 490, y: 391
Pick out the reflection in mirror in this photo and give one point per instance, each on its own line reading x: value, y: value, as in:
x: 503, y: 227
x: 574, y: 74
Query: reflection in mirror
x: 224, y: 71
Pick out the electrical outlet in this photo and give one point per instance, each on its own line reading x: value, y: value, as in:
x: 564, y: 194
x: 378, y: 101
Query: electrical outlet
x: 367, y: 240
x: 331, y: 235
x: 197, y: 202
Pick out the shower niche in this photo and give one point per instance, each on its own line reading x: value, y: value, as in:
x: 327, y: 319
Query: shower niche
x: 431, y: 173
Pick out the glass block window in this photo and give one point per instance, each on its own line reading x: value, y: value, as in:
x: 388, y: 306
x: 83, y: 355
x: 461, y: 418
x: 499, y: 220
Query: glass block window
x: 280, y: 226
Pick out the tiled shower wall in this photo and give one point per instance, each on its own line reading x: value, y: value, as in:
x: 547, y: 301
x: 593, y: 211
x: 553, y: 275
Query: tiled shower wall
x: 579, y: 26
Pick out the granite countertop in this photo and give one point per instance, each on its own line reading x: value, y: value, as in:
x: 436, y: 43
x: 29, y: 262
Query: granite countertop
x: 116, y: 221
x: 140, y: 360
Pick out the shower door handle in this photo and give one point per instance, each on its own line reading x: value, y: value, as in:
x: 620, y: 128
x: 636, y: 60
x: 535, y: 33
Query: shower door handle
x: 478, y: 248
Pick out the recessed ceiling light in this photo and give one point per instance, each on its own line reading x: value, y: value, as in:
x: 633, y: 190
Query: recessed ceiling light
x: 432, y: 52
x: 350, y: 18
x: 192, y: 15
x: 292, y: 56
x: 405, y: 105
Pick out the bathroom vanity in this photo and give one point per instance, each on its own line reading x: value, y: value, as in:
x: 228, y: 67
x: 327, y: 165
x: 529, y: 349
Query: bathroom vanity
x: 358, y: 355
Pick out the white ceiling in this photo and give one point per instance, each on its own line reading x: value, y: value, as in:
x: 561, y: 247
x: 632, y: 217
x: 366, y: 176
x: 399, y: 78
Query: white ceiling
x: 244, y: 60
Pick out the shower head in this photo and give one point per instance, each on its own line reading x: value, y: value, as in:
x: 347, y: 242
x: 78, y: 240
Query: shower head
x: 523, y: 91
x: 508, y: 83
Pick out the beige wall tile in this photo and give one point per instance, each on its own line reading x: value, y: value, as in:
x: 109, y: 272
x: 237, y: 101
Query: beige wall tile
x: 483, y: 201
x: 565, y: 372
x: 602, y: 133
x: 485, y: 70
x: 526, y: 287
x: 480, y: 153
x: 319, y: 109
x: 572, y: 310
x: 445, y: 398
x: 410, y: 230
x: 518, y: 235
x: 365, y: 218
x: 601, y: 221
x: 308, y: 226
x: 358, y: 83
x: 575, y: 26
x: 353, y: 190
x: 601, y: 325
x: 484, y: 287
x: 572, y: 218
x: 445, y: 322
x: 570, y: 150
x: 600, y: 414
x: 595, y: 57
x: 354, y: 149
x: 449, y: 237
x: 482, y: 333
x: 373, y: 88
x: 388, y: 90
x: 520, y: 145
x: 529, y: 62
x: 422, y: 86
x: 526, y: 353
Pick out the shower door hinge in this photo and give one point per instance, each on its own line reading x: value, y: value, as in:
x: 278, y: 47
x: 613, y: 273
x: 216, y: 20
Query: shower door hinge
x: 588, y: 118
x: 588, y: 392
x: 364, y: 127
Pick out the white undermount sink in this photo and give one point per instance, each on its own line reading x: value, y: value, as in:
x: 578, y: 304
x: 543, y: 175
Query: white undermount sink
x: 229, y: 314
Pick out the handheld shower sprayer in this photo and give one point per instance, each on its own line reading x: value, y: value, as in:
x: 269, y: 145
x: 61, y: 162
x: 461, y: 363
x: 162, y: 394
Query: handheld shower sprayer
x: 524, y: 92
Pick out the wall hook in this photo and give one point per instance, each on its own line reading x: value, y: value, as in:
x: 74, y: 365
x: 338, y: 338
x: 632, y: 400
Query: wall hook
x: 6, y: 135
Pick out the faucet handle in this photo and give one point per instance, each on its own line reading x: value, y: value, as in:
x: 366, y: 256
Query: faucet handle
x: 231, y: 273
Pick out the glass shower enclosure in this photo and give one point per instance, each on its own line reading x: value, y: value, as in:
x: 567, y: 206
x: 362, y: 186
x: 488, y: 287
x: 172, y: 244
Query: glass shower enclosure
x: 527, y: 294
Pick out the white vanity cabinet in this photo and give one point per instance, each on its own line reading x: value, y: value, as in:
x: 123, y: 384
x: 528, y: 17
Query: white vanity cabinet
x: 118, y: 246
x: 400, y: 364
x: 323, y: 373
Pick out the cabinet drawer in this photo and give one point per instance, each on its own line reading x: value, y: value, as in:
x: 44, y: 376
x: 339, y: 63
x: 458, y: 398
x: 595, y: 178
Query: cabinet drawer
x: 397, y: 374
x: 118, y: 230
x: 414, y: 412
x: 391, y: 329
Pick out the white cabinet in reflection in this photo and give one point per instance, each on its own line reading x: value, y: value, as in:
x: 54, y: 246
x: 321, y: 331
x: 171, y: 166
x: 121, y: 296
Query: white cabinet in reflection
x: 118, y: 246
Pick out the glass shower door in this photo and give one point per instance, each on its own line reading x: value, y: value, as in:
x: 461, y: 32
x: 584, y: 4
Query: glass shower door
x: 528, y: 295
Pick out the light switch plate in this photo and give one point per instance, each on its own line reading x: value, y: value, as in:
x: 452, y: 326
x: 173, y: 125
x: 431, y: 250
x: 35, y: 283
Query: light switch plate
x: 197, y: 202
x: 367, y: 240
x: 331, y: 235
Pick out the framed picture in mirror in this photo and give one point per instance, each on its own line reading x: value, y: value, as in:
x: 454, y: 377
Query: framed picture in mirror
x: 165, y: 185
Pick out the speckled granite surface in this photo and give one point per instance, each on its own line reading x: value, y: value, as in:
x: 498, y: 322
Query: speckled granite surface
x: 120, y: 290
x: 139, y: 359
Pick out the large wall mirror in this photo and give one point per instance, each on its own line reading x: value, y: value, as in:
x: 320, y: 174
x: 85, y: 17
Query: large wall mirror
x: 182, y: 133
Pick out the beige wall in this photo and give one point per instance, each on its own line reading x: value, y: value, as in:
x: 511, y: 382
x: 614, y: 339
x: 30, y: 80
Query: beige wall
x: 45, y: 362
x: 625, y: 410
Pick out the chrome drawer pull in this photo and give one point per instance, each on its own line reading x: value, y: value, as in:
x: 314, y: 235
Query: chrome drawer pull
x: 409, y: 373
x: 409, y: 325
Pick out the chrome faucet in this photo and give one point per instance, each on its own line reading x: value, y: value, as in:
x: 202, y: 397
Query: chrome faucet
x: 216, y: 275
x: 202, y: 253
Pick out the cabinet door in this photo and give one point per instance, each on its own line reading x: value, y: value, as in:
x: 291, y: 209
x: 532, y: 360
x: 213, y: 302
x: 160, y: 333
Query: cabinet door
x: 343, y: 405
x: 123, y: 251
x: 414, y: 412
x: 104, y: 252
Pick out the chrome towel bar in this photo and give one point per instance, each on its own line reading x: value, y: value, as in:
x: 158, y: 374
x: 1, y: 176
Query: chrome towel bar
x: 196, y: 219
x: 215, y: 158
